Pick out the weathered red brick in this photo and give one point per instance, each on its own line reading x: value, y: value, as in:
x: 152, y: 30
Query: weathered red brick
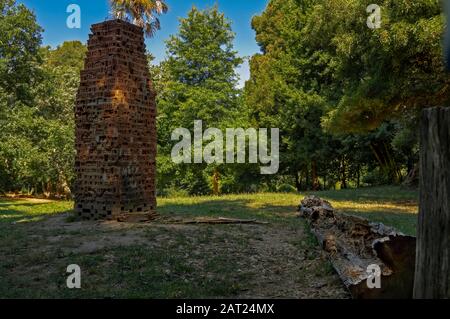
x: 115, y: 117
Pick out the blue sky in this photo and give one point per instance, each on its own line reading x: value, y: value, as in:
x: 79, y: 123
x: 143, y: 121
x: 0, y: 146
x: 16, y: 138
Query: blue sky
x: 51, y: 15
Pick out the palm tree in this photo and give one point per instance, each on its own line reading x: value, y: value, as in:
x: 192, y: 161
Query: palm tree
x: 143, y: 12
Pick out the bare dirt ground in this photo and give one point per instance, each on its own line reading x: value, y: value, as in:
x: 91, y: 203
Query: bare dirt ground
x: 278, y: 260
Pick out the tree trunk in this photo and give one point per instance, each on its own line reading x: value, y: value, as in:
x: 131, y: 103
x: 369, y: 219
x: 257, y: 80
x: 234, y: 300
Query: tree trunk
x: 412, y: 179
x: 307, y: 178
x: 382, y: 153
x: 315, y: 180
x: 432, y: 277
x: 358, y: 177
x: 344, y: 175
x: 298, y: 181
x: 215, y: 183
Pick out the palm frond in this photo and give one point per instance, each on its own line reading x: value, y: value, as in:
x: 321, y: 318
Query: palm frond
x: 143, y: 13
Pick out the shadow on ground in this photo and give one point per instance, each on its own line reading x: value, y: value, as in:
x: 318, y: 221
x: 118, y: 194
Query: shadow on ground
x: 159, y: 260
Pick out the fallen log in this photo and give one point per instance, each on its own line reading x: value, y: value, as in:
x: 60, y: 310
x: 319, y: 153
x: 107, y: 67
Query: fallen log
x: 353, y: 244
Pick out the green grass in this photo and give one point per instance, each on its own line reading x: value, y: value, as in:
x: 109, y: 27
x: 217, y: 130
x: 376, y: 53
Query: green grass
x: 38, y: 240
x: 29, y: 210
x: 394, y: 206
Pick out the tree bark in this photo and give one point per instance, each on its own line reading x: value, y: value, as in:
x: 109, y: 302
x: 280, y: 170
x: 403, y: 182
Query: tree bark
x: 432, y: 275
x: 344, y: 174
x: 358, y: 177
x: 354, y: 243
x: 307, y: 184
x: 298, y: 181
x: 215, y: 182
x: 387, y: 163
x: 315, y: 179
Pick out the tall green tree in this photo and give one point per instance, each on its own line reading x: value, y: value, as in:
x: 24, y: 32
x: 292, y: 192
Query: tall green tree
x: 379, y: 79
x: 57, y: 91
x: 283, y: 93
x: 320, y: 56
x: 20, y: 40
x: 37, y: 141
x: 200, y: 83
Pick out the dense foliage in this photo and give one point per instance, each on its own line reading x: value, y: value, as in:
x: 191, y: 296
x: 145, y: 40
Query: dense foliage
x: 198, y: 83
x: 345, y: 97
x: 37, y: 93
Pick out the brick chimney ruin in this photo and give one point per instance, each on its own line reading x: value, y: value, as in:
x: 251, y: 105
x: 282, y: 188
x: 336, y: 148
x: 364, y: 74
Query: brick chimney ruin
x: 115, y: 116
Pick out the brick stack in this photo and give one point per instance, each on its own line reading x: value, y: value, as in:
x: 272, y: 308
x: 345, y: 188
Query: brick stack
x: 115, y: 126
